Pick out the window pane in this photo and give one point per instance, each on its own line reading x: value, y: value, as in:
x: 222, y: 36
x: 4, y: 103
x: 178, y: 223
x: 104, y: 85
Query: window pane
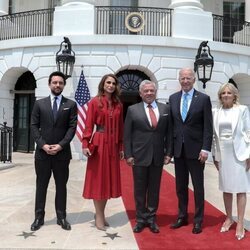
x: 234, y: 17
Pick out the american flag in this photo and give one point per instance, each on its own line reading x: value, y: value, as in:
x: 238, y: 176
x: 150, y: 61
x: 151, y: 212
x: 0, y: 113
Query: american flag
x: 82, y: 96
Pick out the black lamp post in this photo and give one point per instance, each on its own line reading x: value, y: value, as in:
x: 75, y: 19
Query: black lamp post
x: 204, y: 63
x: 65, y: 58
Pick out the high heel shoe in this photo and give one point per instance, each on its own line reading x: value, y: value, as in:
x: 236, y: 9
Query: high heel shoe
x: 225, y: 228
x: 102, y: 228
x: 106, y: 224
x: 240, y: 236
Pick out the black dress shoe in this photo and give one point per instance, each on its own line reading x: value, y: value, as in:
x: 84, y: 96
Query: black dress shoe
x: 64, y: 224
x: 36, y: 224
x: 179, y: 223
x: 197, y: 228
x: 139, y: 227
x: 154, y: 228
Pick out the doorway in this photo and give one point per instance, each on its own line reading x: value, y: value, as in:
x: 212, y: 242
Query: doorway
x: 129, y: 81
x: 23, y: 105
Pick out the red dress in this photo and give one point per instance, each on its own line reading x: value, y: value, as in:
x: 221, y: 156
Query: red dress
x: 102, y: 179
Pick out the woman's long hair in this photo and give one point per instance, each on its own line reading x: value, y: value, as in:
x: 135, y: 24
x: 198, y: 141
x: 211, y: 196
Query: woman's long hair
x: 115, y: 95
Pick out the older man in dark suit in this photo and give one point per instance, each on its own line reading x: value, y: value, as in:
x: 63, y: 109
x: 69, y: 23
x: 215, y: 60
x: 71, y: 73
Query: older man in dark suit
x: 53, y: 125
x: 193, y: 130
x: 147, y: 141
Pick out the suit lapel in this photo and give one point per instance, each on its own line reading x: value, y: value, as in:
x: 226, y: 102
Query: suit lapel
x: 178, y: 101
x: 161, y: 112
x: 235, y: 115
x: 160, y: 108
x: 194, y: 100
x: 143, y: 112
x: 62, y: 103
x: 47, y: 103
x: 216, y: 121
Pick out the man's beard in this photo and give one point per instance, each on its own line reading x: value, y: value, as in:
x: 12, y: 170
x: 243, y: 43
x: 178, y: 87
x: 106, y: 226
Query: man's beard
x: 56, y: 93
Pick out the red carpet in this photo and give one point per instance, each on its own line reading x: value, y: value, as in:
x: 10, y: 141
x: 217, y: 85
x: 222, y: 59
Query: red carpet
x: 181, y: 238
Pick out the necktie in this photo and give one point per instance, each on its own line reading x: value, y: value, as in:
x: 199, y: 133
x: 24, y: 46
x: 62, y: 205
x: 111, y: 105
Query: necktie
x: 152, y: 116
x: 55, y: 107
x: 184, y: 107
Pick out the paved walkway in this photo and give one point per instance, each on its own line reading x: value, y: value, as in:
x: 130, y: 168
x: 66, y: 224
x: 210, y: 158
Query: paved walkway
x: 17, y: 211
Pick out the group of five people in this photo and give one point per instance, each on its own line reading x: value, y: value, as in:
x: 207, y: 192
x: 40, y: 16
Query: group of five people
x: 153, y: 133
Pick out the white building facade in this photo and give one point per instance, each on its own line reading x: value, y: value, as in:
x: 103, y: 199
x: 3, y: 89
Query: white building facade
x: 25, y: 63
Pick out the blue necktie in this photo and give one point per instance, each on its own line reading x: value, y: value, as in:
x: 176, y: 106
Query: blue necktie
x: 184, y: 107
x: 55, y: 108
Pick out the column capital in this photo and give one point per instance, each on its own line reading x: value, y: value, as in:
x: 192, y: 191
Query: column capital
x: 247, y: 10
x: 186, y: 4
x: 4, y: 7
x: 74, y: 2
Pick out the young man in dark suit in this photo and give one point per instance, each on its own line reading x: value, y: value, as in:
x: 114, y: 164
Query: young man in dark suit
x: 53, y: 125
x: 147, y: 142
x: 192, y: 138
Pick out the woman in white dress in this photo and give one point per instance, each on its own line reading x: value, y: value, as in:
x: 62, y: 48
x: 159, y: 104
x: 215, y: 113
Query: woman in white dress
x: 231, y: 154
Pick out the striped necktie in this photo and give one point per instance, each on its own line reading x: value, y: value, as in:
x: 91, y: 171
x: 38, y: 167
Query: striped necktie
x: 184, y: 107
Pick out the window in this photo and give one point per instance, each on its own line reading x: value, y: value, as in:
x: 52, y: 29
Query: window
x: 234, y: 17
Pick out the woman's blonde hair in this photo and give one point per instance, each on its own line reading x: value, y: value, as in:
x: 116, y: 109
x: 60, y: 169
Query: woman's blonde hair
x: 233, y: 89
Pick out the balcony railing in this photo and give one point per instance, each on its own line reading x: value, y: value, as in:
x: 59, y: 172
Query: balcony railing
x: 111, y: 20
x: 238, y: 34
x: 242, y: 37
x: 26, y: 24
x: 218, y: 28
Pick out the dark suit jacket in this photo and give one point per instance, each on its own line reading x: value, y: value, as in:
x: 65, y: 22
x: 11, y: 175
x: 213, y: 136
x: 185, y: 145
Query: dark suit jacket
x: 46, y: 131
x: 197, y: 130
x: 143, y: 142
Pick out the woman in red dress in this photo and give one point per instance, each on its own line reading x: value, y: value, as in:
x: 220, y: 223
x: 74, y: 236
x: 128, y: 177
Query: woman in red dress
x: 102, y: 143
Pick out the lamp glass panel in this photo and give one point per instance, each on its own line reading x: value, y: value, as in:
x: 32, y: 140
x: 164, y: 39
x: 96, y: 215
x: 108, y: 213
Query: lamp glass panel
x: 204, y: 72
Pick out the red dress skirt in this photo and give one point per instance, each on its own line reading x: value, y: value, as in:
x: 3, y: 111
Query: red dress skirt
x: 102, y: 179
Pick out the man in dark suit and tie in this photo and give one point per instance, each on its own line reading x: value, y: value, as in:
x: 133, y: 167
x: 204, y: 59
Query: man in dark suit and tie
x: 193, y: 130
x: 53, y: 125
x: 147, y: 142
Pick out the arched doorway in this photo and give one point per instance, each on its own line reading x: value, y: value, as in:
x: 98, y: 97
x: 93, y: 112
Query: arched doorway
x: 241, y: 81
x: 130, y: 81
x: 23, y: 104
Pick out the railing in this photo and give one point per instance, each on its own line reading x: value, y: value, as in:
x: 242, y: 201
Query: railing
x: 241, y: 32
x: 26, y: 24
x: 111, y: 20
x: 242, y: 37
x: 218, y: 28
x: 5, y: 143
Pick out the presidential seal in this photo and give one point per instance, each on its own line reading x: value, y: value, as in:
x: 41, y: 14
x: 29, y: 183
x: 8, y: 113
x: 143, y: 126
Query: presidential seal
x: 134, y: 22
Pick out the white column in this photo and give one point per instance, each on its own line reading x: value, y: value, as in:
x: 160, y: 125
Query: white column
x: 4, y: 7
x: 74, y: 18
x: 191, y: 21
x: 183, y: 4
x: 247, y: 10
